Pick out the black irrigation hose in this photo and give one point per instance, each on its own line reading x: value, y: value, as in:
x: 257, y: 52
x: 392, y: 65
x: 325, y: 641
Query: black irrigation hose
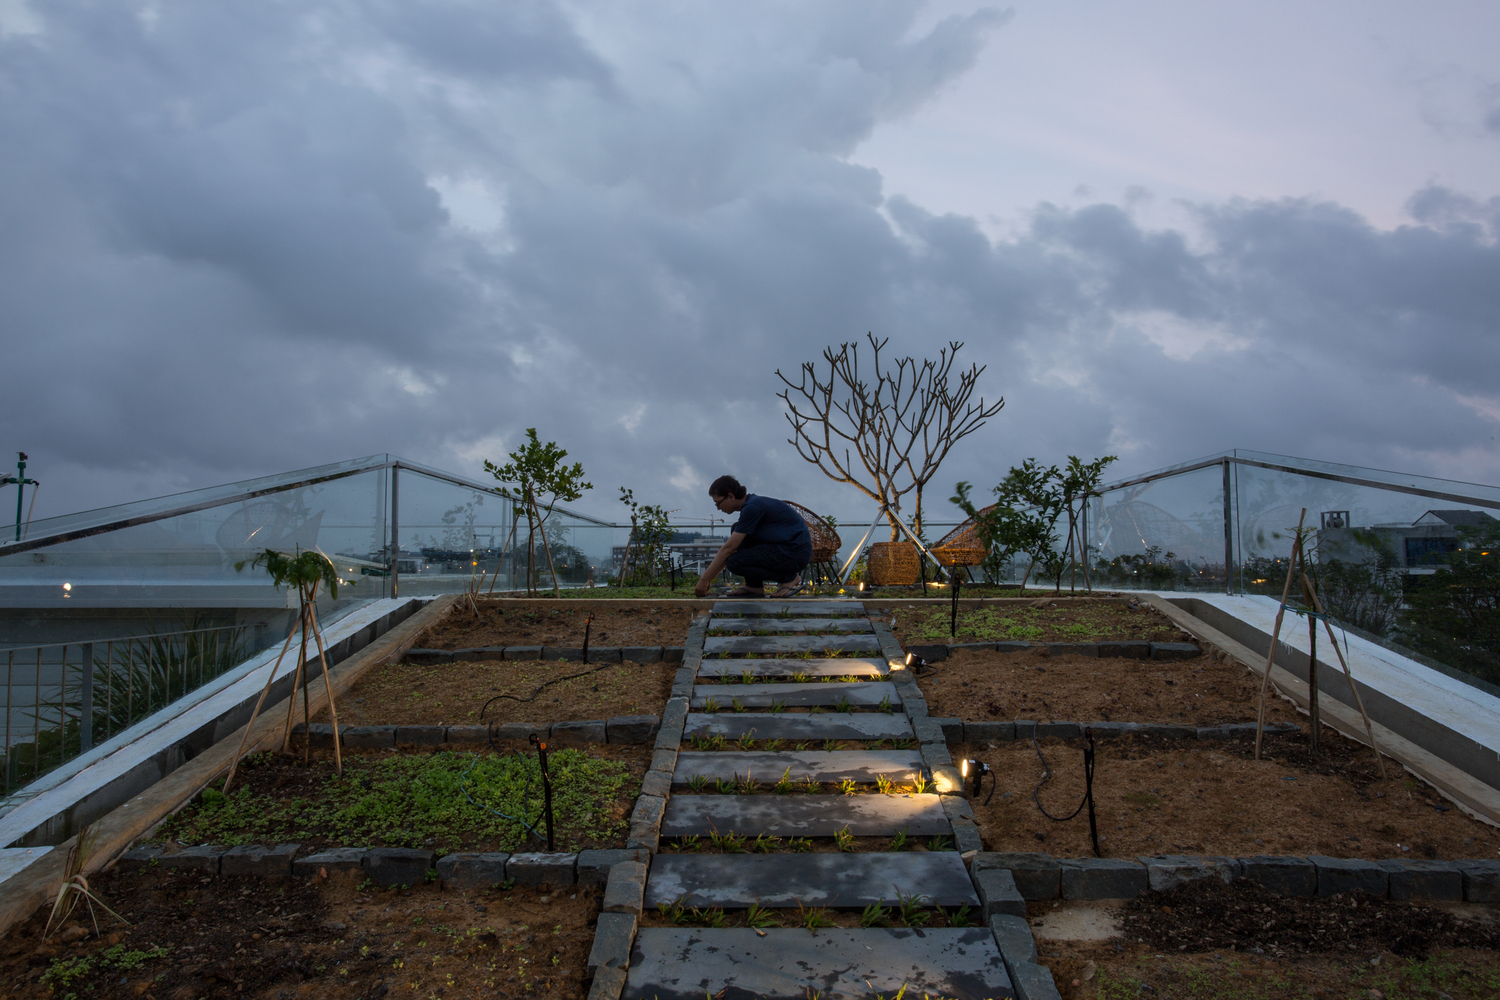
x: 1088, y: 786
x: 555, y: 680
x: 463, y: 787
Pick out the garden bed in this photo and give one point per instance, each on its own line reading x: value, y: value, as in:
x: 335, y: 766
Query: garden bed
x: 1208, y: 939
x: 1155, y: 795
x: 445, y: 800
x: 517, y: 623
x: 981, y: 685
x: 454, y: 693
x: 1071, y: 622
x: 335, y: 937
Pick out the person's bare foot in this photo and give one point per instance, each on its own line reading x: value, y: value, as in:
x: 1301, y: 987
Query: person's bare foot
x: 794, y: 587
x: 745, y: 592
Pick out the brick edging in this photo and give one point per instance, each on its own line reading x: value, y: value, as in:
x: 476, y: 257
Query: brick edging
x: 1130, y: 649
x: 626, y: 729
x: 958, y: 731
x: 571, y: 654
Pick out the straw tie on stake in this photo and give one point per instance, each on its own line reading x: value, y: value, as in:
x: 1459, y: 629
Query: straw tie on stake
x: 305, y: 570
x: 75, y: 885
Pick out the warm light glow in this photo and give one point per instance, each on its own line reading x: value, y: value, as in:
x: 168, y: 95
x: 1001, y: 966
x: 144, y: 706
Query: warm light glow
x: 67, y: 586
x: 964, y: 765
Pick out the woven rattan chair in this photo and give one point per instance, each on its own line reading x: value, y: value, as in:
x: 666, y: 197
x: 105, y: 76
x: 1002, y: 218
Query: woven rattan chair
x: 825, y: 542
x: 961, y: 546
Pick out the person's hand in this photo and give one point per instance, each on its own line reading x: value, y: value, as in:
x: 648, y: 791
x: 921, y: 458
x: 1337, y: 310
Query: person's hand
x: 701, y: 589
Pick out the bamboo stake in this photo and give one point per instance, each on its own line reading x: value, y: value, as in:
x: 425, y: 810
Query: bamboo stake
x: 291, y: 701
x: 333, y: 709
x: 504, y: 549
x: 1314, y: 705
x: 1265, y: 680
x: 259, y: 702
x: 542, y: 526
x: 1369, y: 730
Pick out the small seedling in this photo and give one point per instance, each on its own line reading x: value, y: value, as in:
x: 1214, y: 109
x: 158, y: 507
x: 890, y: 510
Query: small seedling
x: 843, y: 705
x: 919, y: 782
x: 830, y: 744
x: 765, y: 844
x: 848, y: 786
x: 747, y: 676
x: 746, y: 741
x: 799, y: 845
x: 900, y: 744
x: 729, y: 843
x: 815, y: 710
x: 688, y: 843
x: 800, y: 747
x: 739, y: 704
x: 844, y: 840
x: 814, y: 918
x: 710, y: 705
x: 759, y: 916
x: 711, y: 917
x: 810, y: 785
x: 724, y: 786
x: 885, y: 705
x: 959, y: 917
x: 697, y: 783
x: 772, y: 746
x: 785, y: 784
x: 939, y: 842
x: 746, y: 785
x: 883, y: 784
x: 850, y: 679
x: 875, y: 915
x: 673, y: 911
x: 898, y: 842
x: 716, y: 741
x: 777, y: 707
x: 801, y: 677
x: 914, y: 910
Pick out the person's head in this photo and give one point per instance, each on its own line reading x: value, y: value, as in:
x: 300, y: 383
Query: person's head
x: 726, y: 488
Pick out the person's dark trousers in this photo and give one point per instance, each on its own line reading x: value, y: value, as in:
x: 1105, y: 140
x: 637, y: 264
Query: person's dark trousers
x: 759, y: 563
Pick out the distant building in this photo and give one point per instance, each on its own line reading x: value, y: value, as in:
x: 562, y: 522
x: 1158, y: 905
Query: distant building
x: 1421, y: 547
x: 699, y: 552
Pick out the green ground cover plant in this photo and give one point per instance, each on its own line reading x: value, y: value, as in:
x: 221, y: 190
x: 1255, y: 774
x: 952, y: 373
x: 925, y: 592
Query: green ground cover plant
x: 448, y: 800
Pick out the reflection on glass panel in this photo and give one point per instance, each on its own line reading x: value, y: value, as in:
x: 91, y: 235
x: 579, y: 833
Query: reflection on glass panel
x: 1167, y: 534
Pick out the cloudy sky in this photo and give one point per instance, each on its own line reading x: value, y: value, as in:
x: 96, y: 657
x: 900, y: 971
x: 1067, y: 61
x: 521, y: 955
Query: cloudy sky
x: 242, y: 238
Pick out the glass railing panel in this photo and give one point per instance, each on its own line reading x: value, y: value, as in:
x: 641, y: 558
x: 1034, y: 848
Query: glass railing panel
x: 1165, y: 534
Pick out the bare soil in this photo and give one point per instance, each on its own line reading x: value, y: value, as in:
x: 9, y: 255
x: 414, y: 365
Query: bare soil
x: 235, y: 936
x: 1161, y: 796
x: 980, y: 686
x: 529, y: 623
x: 1037, y: 621
x: 454, y: 694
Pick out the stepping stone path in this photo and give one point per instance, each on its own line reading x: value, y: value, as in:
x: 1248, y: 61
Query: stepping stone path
x: 856, y: 697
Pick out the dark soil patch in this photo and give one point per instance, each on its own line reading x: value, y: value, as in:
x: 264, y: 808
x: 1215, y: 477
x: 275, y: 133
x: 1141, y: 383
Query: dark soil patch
x: 1161, y: 796
x: 1208, y: 915
x: 1075, y: 622
x: 250, y: 937
x: 453, y: 694
x: 980, y: 686
x: 528, y: 623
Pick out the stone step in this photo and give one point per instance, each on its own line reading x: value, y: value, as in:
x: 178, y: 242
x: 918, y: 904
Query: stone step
x: 848, y: 881
x: 862, y: 766
x: 858, y: 695
x: 790, y: 645
x: 802, y: 609
x: 836, y: 963
x: 790, y: 625
x: 799, y: 728
x: 820, y: 667
x: 805, y: 815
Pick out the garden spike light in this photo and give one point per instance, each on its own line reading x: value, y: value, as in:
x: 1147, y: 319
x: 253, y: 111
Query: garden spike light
x: 541, y: 753
x: 915, y: 663
x: 976, y: 769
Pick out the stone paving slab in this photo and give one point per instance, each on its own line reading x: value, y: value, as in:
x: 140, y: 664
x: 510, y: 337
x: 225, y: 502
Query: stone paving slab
x: 789, y: 645
x: 802, y: 609
x: 797, y: 728
x: 848, y: 626
x: 805, y: 815
x: 734, y: 881
x: 670, y: 963
x: 859, y: 694
x: 784, y: 667
x: 821, y: 765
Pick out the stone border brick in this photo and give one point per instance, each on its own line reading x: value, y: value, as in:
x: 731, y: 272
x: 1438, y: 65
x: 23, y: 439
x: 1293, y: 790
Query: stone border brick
x: 631, y: 729
x: 594, y: 866
x: 625, y: 891
x: 998, y: 894
x: 613, y: 937
x: 566, y: 734
x: 1419, y: 878
x: 1286, y: 875
x: 1135, y: 649
x: 422, y: 735
x: 390, y: 866
x: 203, y: 858
x: 140, y: 857
x: 1168, y: 870
x: 1037, y: 875
x: 538, y: 868
x: 334, y: 859
x: 1103, y: 878
x: 257, y: 859
x: 989, y: 732
x: 472, y: 869
x: 1339, y: 875
x: 1481, y: 880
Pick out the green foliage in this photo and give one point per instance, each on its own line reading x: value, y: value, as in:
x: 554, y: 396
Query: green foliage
x: 402, y: 800
x: 959, y: 917
x: 304, y: 570
x: 759, y: 916
x: 899, y: 841
x: 542, y: 481
x: 875, y: 915
x: 64, y: 971
x: 646, y: 554
x: 984, y: 624
x: 844, y: 840
x: 913, y: 909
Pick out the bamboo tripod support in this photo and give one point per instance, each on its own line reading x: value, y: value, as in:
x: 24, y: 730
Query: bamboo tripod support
x: 307, y: 624
x: 1296, y: 569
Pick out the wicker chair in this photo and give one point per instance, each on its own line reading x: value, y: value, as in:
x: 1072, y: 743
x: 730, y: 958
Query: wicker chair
x: 825, y: 542
x: 962, y: 546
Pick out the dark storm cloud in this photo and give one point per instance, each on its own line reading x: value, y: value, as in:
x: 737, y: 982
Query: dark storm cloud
x: 242, y: 239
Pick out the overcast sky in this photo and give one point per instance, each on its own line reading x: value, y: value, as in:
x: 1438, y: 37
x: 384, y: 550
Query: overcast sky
x: 241, y: 238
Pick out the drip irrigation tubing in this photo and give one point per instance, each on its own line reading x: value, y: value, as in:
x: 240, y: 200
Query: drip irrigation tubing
x: 555, y: 680
x: 1088, y: 786
x: 463, y: 786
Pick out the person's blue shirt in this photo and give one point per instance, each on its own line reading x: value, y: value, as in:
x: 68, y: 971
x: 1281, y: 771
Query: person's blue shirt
x: 765, y: 521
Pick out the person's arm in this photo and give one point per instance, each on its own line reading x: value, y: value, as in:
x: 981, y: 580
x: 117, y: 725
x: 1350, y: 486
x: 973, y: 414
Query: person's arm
x: 717, y: 566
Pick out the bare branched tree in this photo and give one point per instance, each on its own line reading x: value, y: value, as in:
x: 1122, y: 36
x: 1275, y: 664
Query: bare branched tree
x: 885, y: 437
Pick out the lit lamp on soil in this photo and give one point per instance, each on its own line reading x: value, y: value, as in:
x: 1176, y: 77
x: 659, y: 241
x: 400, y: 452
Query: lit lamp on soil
x: 976, y: 770
x: 915, y: 663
